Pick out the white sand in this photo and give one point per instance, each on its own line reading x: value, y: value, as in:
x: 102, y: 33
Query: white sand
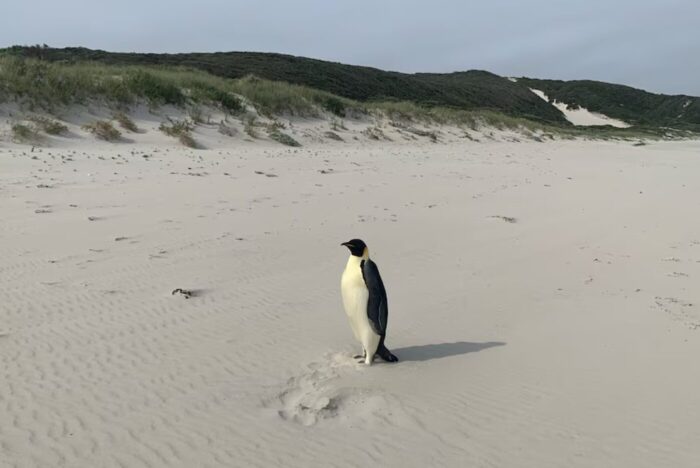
x: 582, y: 116
x: 569, y: 337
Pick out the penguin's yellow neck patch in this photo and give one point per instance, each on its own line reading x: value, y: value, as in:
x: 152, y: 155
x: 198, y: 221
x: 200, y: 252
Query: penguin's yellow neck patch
x: 365, y: 253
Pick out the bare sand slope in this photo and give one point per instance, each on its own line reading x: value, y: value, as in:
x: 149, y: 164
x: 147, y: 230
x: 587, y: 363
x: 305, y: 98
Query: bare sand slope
x: 543, y: 302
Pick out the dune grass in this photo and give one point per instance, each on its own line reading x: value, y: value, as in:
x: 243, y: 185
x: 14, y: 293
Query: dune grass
x: 48, y: 125
x: 283, y: 138
x: 24, y: 133
x: 125, y: 122
x: 249, y: 124
x: 103, y: 129
x: 49, y: 85
x: 226, y: 130
x: 180, y: 129
x: 279, y: 98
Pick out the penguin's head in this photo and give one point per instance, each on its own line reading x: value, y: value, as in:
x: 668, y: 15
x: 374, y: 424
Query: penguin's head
x: 357, y: 247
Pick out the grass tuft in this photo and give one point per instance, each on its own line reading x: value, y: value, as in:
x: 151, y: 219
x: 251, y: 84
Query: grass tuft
x: 125, y: 122
x: 283, y: 138
x: 180, y: 129
x: 226, y: 130
x: 103, y: 129
x: 24, y: 133
x: 375, y: 133
x: 337, y: 125
x: 196, y: 115
x: 249, y: 127
x: 49, y: 126
x: 333, y: 136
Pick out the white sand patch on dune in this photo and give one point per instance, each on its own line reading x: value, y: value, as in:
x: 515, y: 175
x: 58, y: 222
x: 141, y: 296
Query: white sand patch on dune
x: 582, y: 116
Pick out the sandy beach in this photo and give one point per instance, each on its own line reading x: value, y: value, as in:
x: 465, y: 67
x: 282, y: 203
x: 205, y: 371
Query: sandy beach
x: 543, y: 301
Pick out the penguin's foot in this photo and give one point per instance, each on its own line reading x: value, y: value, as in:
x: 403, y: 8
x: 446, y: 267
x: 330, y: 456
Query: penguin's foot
x: 385, y: 354
x: 390, y: 358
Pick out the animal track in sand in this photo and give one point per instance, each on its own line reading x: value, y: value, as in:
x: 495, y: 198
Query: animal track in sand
x: 679, y: 310
x: 507, y: 219
x: 329, y: 391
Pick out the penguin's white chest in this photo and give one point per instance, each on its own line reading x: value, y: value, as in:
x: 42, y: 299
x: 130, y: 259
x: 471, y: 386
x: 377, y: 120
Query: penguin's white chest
x: 355, y: 296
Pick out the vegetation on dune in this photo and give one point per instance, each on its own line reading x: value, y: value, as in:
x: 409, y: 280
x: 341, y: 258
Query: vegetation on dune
x: 47, y: 85
x: 50, y: 84
x: 623, y: 102
x: 375, y: 133
x: 226, y: 130
x: 125, y: 122
x: 24, y: 133
x: 335, y: 82
x: 48, y: 125
x: 333, y: 136
x: 103, y: 129
x: 337, y: 124
x: 283, y: 138
x: 249, y: 127
x: 180, y: 129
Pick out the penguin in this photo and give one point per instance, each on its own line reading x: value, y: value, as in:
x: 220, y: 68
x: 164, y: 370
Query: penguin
x: 365, y: 302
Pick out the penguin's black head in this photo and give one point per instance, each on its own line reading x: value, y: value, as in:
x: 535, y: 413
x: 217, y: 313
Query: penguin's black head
x: 357, y: 247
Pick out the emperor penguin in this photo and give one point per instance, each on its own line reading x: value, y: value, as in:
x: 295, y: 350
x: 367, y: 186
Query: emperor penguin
x: 365, y: 302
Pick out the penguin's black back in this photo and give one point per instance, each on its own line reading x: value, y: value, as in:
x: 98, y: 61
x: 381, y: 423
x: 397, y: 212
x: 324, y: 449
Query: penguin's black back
x: 377, y: 304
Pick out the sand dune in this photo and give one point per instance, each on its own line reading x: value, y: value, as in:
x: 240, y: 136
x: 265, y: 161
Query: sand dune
x: 541, y: 299
x: 581, y: 116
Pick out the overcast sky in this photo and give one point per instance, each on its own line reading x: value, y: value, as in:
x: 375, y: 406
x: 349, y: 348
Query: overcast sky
x: 651, y: 44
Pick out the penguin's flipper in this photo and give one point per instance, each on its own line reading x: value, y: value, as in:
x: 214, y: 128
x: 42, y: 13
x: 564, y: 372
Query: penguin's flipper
x: 377, y: 305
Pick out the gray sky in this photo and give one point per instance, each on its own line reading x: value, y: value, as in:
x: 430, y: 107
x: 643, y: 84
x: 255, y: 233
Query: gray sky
x: 651, y: 44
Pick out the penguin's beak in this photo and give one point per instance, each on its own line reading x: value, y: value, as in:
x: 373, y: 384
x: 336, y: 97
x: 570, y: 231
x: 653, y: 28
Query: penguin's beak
x: 346, y: 244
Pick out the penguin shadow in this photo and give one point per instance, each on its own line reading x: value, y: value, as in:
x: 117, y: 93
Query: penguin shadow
x: 441, y: 350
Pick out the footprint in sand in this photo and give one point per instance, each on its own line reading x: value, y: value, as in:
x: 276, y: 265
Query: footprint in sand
x: 330, y: 391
